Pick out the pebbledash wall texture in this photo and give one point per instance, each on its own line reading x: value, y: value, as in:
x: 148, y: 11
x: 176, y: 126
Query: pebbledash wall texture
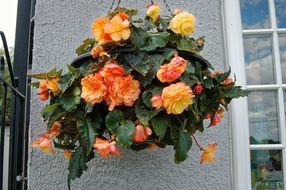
x: 60, y: 26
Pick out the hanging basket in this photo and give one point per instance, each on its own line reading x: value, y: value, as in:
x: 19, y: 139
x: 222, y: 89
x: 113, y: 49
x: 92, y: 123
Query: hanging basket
x: 137, y: 84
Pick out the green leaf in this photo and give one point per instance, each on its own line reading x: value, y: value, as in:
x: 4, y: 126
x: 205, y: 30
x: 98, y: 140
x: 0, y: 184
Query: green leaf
x: 49, y: 110
x: 208, y: 83
x: 164, y: 22
x: 87, y: 130
x: 144, y: 114
x: 113, y: 119
x: 69, y: 101
x: 169, y: 53
x: 139, y: 61
x: 236, y: 92
x: 222, y: 77
x: 182, y: 145
x: 66, y: 81
x: 139, y: 36
x: 86, y: 46
x: 39, y: 76
x: 73, y: 70
x: 124, y: 133
x: 190, y: 68
x: 160, y: 123
x: 35, y: 84
x: 77, y: 165
x: 155, y: 40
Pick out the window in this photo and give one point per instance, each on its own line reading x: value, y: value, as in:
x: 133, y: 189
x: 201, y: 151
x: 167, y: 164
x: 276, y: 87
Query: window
x: 256, y: 50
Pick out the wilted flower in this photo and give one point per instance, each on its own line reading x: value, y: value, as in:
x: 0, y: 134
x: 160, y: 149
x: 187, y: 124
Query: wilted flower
x: 98, y: 51
x: 124, y: 90
x: 227, y: 81
x: 93, y: 89
x: 44, y: 143
x: 43, y: 90
x: 183, y: 23
x: 55, y: 129
x: 208, y: 156
x: 98, y: 31
x: 153, y: 12
x: 141, y: 133
x: 118, y: 28
x: 106, y: 147
x: 157, y: 101
x: 67, y: 154
x: 173, y: 70
x: 177, y: 97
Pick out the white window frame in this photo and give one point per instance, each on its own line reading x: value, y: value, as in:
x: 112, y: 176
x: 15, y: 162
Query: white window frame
x: 241, y: 147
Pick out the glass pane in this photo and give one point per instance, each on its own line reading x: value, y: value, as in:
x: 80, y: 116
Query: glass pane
x: 285, y: 104
x: 266, y: 170
x: 254, y: 14
x: 258, y: 60
x: 263, y: 117
x: 282, y: 46
x: 280, y: 8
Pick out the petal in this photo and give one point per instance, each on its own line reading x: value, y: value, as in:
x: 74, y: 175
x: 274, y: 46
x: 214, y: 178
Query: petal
x: 125, y: 33
x: 115, y: 36
x: 109, y: 28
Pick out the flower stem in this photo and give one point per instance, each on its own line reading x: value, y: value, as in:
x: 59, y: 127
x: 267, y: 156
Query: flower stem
x: 197, y: 143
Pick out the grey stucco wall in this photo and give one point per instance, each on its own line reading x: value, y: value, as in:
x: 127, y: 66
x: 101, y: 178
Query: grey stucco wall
x: 60, y: 26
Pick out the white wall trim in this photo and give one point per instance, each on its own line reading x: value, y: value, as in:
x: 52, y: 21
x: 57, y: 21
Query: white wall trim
x: 239, y: 115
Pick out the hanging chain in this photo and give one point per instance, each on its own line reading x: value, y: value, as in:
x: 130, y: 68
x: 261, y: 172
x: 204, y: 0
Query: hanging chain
x: 113, y: 3
x: 167, y: 6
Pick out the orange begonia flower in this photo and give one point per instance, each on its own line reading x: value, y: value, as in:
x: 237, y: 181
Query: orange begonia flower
x: 177, y: 97
x: 141, y: 133
x: 227, y: 81
x: 55, y: 129
x: 93, y: 89
x: 53, y: 85
x: 43, y: 90
x: 123, y: 16
x: 124, y: 90
x: 117, y: 28
x: 106, y: 147
x: 44, y: 143
x: 215, y: 73
x: 110, y: 71
x: 98, y: 30
x: 67, y: 154
x: 173, y: 70
x: 208, y: 156
x: 216, y: 119
x: 157, y: 101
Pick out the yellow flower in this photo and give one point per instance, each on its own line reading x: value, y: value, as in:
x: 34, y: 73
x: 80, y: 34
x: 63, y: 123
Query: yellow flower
x: 153, y: 12
x: 98, y: 31
x: 53, y: 85
x: 177, y: 97
x: 118, y: 28
x: 208, y: 154
x: 93, y: 89
x: 183, y: 23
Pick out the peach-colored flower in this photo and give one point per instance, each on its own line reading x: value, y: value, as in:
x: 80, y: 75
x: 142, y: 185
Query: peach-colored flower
x: 117, y: 28
x: 123, y: 16
x: 124, y: 90
x: 93, y: 88
x: 53, y: 85
x: 227, y: 81
x: 215, y: 73
x: 55, y: 129
x: 44, y: 143
x: 183, y: 23
x: 157, y: 101
x: 217, y: 117
x: 98, y: 30
x: 43, y: 90
x: 173, y: 70
x: 198, y: 89
x: 67, y: 154
x: 106, y: 147
x: 98, y: 51
x: 177, y: 97
x: 141, y: 133
x: 110, y: 71
x: 153, y: 12
x: 208, y: 154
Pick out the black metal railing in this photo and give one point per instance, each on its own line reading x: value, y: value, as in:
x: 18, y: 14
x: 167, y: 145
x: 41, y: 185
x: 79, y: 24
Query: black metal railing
x: 15, y: 125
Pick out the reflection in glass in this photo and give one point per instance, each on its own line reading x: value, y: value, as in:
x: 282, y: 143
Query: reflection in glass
x: 266, y: 170
x: 254, y: 14
x: 282, y: 47
x: 263, y: 117
x: 258, y: 60
x: 280, y: 9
